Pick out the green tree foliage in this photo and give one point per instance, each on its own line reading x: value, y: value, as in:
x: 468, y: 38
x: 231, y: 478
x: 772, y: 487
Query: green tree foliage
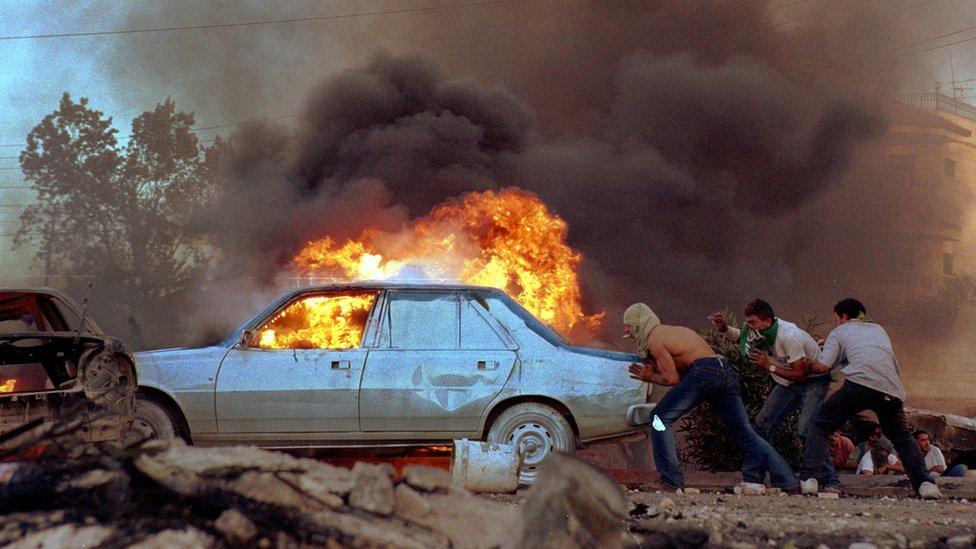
x: 708, y: 441
x: 117, y: 213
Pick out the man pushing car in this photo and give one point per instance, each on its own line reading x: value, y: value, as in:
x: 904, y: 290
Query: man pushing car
x: 679, y: 357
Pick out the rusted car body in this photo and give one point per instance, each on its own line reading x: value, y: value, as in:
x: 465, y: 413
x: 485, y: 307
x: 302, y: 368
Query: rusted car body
x: 426, y: 363
x: 56, y: 365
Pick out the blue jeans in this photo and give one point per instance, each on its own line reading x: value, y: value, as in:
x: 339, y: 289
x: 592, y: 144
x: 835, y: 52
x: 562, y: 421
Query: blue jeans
x: 784, y: 400
x: 714, y: 381
x: 959, y: 470
x: 850, y: 399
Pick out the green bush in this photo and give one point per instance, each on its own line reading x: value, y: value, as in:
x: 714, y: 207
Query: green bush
x: 708, y: 442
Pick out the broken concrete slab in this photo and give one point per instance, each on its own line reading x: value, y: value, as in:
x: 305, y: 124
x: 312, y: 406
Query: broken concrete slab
x: 410, y: 505
x: 65, y: 535
x: 236, y: 527
x: 427, y: 478
x: 572, y: 504
x: 184, y: 538
x: 373, y: 489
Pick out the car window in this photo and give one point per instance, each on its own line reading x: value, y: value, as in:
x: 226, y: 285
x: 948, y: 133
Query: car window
x: 20, y: 312
x: 476, y: 333
x: 332, y: 321
x: 424, y: 320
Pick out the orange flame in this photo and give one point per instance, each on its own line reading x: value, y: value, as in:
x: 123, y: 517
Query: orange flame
x: 506, y: 239
x: 8, y: 386
x: 321, y: 322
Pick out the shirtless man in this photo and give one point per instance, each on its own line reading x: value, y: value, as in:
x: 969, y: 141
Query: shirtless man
x: 679, y: 357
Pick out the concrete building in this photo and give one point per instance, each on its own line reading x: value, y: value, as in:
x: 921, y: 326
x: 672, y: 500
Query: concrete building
x: 928, y: 161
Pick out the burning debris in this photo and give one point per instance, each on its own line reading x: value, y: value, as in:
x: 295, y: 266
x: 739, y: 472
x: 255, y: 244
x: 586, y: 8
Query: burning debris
x: 507, y: 239
x: 326, y: 322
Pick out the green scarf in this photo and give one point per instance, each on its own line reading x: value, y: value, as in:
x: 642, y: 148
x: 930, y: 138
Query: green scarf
x: 769, y: 337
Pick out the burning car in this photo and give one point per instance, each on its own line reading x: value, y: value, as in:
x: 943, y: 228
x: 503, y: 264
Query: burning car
x: 390, y: 364
x: 57, y: 366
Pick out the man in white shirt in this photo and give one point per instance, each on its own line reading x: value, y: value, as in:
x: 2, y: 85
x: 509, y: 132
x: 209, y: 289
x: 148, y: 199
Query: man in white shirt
x: 882, y: 454
x: 792, y: 349
x: 934, y: 460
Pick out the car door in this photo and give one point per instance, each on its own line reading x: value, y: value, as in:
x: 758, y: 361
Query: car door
x: 301, y: 371
x: 437, y: 364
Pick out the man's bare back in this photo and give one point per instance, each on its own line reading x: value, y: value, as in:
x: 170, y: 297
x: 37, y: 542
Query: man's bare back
x: 683, y: 344
x: 673, y: 348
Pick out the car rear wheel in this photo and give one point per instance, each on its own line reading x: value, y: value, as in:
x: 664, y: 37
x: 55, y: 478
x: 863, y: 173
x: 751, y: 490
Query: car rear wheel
x: 152, y: 421
x: 536, y: 430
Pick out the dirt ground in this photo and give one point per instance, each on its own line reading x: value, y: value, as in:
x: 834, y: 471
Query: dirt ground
x: 877, y: 511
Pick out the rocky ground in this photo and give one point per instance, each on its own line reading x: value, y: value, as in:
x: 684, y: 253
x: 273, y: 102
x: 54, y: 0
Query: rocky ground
x: 166, y: 497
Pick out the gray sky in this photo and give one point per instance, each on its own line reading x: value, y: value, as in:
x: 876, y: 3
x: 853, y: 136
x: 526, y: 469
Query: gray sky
x: 228, y: 75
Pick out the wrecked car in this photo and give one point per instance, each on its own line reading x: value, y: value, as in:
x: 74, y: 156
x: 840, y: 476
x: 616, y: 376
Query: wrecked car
x: 57, y: 366
x: 390, y: 364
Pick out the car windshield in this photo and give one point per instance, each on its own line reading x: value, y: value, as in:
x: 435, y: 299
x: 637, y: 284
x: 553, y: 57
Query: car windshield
x: 545, y: 331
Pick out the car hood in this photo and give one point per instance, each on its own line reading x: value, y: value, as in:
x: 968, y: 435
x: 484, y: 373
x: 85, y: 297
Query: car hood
x: 605, y: 353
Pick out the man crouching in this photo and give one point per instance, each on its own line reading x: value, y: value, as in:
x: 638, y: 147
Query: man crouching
x: 679, y: 357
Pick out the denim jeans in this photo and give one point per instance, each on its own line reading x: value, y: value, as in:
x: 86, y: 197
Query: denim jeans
x: 850, y: 399
x: 959, y: 470
x: 714, y: 381
x: 784, y: 400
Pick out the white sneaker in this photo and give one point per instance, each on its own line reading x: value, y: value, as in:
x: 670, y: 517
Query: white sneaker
x: 929, y: 490
x: 809, y: 487
x: 749, y: 489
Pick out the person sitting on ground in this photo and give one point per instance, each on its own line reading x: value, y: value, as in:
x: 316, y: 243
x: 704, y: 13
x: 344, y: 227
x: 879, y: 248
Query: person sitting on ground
x: 679, y: 357
x: 881, y: 460
x: 934, y: 459
x: 873, y: 436
x: 842, y: 452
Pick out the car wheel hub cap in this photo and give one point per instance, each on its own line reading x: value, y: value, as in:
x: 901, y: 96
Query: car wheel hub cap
x: 534, y: 442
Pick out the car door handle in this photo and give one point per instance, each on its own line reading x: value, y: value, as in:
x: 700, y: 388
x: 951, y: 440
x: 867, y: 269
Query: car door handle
x: 341, y: 364
x: 487, y: 364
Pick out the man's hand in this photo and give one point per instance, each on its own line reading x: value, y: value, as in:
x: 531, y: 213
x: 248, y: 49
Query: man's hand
x: 718, y: 322
x: 760, y: 358
x: 642, y: 372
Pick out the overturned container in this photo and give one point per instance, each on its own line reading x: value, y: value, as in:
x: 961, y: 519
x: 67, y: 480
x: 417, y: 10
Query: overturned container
x: 485, y: 466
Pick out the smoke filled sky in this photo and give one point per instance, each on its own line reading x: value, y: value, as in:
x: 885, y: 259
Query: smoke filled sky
x: 694, y: 139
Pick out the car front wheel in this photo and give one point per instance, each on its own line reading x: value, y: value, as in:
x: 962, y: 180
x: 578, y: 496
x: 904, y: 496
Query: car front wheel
x: 536, y: 430
x: 152, y: 421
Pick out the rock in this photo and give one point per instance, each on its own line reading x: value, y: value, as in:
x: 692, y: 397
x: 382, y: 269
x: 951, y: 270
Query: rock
x: 572, y: 504
x: 692, y: 491
x: 741, y: 545
x: 93, y: 479
x: 373, y: 489
x: 277, y: 489
x: 427, y: 478
x: 236, y: 527
x: 187, y: 538
x: 918, y: 544
x: 957, y: 542
x: 828, y: 495
x: 667, y: 506
x: 377, y: 531
x: 902, y: 541
x: 65, y: 535
x: 409, y: 504
x: 862, y: 545
x: 175, y: 479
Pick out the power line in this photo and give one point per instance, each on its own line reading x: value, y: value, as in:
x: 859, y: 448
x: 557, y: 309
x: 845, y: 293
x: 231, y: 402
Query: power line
x: 788, y: 4
x: 194, y: 130
x: 812, y: 15
x: 939, y: 47
x: 257, y: 23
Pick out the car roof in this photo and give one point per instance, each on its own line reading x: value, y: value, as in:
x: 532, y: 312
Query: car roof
x: 394, y: 285
x: 45, y: 290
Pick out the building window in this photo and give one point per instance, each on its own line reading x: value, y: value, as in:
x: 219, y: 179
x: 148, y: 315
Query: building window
x: 902, y: 163
x: 950, y: 168
x: 947, y: 265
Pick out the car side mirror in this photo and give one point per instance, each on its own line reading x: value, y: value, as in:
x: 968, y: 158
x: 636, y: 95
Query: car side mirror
x: 247, y: 338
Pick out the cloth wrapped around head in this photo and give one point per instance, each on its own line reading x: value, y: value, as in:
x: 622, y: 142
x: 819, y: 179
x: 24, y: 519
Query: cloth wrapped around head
x: 643, y: 319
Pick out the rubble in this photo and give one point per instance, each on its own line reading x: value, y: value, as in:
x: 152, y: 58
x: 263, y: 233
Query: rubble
x: 427, y: 478
x: 236, y: 527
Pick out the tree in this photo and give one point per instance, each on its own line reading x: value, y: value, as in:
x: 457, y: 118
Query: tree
x: 117, y: 214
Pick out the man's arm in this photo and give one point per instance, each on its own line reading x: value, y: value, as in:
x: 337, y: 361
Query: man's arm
x: 794, y: 371
x: 661, y: 370
x: 940, y: 463
x: 828, y: 355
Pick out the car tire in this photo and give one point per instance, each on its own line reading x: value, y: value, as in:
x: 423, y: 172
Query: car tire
x: 536, y: 430
x: 153, y: 421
